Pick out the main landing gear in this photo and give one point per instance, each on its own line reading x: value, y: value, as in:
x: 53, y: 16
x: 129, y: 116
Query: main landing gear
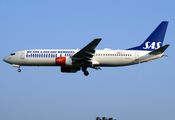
x: 84, y: 69
x: 86, y: 73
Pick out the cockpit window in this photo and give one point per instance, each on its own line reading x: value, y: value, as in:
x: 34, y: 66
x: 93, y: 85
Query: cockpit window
x: 12, y: 54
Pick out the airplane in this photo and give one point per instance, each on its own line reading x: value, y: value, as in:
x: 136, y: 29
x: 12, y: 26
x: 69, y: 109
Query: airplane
x: 72, y: 61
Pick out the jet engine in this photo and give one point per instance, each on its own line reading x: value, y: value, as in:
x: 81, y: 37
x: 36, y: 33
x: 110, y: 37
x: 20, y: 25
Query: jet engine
x: 69, y: 69
x: 64, y: 61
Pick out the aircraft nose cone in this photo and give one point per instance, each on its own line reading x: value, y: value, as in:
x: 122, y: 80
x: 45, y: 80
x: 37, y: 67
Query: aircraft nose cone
x: 5, y: 59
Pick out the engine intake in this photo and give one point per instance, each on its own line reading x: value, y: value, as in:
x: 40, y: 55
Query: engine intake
x: 64, y: 61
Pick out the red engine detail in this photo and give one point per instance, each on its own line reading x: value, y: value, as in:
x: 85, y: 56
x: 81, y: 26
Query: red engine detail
x: 70, y: 69
x: 61, y: 61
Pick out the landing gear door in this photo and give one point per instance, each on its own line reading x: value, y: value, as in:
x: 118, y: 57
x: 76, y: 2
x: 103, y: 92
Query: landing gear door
x: 22, y: 54
x: 136, y: 55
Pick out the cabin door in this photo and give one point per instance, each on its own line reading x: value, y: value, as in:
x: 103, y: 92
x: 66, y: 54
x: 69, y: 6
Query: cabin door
x: 137, y: 55
x: 22, y: 54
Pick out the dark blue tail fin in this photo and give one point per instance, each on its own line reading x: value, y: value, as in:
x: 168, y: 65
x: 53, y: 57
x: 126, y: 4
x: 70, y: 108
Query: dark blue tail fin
x: 155, y: 40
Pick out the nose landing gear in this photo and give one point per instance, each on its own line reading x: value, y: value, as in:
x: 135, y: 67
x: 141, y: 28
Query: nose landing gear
x: 18, y: 66
x: 19, y: 70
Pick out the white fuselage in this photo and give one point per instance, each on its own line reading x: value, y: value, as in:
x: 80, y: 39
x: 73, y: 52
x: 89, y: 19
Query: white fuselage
x: 106, y: 57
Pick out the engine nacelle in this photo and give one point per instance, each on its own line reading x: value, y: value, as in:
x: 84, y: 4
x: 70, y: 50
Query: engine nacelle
x: 69, y: 69
x: 64, y: 61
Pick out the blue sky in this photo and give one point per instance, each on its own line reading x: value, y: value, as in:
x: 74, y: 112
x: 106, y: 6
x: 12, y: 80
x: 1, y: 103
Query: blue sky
x: 138, y: 92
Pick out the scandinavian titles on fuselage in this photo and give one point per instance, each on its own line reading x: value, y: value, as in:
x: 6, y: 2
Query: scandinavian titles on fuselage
x: 36, y: 51
x: 54, y: 54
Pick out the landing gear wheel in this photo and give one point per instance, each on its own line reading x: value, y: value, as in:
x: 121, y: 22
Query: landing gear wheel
x: 19, y: 70
x: 86, y: 73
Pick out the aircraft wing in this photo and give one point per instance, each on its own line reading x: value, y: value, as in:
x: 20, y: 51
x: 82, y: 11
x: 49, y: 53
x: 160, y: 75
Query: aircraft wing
x: 86, y: 53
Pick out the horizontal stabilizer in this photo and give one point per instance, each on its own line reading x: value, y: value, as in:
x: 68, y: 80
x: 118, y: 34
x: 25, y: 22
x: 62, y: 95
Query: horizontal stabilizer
x: 160, y: 50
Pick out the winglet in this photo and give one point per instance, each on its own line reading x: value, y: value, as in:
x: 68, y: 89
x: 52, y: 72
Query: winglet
x: 160, y: 50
